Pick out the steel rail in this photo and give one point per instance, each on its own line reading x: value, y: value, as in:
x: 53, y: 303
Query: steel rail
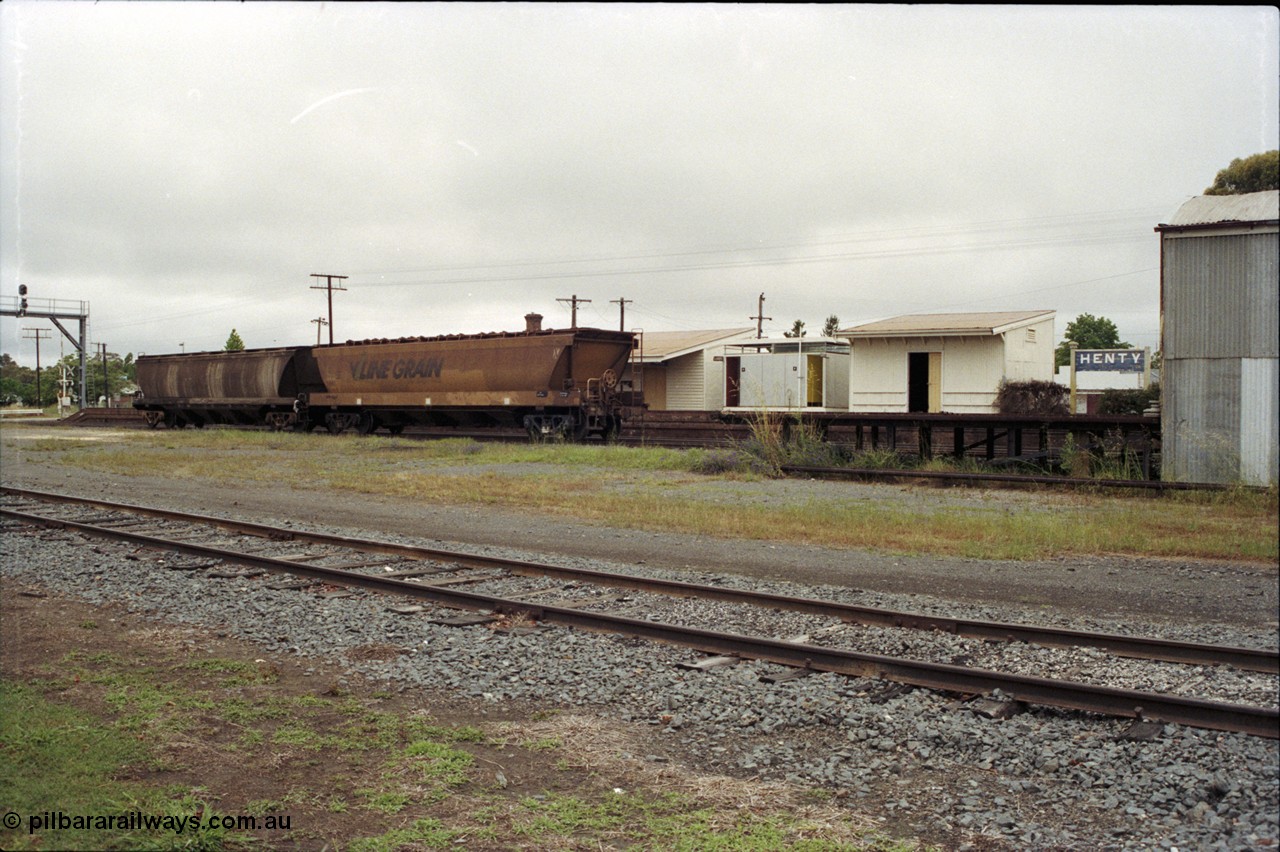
x: 1195, y: 712
x: 1029, y: 479
x: 1188, y: 653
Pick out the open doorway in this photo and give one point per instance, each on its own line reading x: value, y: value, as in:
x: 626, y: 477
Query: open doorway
x: 733, y: 381
x: 924, y: 381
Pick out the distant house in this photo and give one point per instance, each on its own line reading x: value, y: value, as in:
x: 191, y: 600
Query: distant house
x: 946, y: 362
x: 1219, y: 279
x: 683, y: 370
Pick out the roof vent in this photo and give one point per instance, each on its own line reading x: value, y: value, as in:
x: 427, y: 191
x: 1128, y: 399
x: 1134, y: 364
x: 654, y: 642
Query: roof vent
x: 532, y: 323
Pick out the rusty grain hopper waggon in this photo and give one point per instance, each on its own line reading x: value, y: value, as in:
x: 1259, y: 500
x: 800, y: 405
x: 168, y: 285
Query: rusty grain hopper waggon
x: 252, y: 387
x: 548, y: 382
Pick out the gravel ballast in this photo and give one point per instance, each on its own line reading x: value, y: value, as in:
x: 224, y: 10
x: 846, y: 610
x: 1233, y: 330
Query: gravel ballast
x: 1037, y: 779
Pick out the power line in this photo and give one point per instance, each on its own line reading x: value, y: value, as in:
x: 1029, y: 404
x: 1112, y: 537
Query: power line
x: 788, y: 261
x: 1143, y: 214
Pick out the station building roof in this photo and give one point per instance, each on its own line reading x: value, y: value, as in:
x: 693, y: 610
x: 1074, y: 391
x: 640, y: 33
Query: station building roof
x: 658, y: 346
x: 985, y: 324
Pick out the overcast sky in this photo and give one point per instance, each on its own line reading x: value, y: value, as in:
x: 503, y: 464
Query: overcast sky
x: 185, y: 167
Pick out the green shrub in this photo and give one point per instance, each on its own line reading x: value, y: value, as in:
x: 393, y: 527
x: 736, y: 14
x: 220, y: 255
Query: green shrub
x: 1128, y: 401
x: 1032, y: 397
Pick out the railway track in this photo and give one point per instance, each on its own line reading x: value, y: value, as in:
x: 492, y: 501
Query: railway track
x: 505, y: 586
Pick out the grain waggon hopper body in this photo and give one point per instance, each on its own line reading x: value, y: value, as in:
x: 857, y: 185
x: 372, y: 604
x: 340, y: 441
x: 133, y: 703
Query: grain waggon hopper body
x: 247, y: 387
x: 548, y: 382
x: 545, y: 381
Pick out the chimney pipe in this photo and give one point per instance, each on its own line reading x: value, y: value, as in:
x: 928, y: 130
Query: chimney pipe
x: 532, y: 323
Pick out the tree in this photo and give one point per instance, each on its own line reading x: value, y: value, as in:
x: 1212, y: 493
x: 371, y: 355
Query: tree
x: 797, y: 330
x: 18, y: 384
x: 234, y: 343
x: 1251, y: 174
x: 831, y: 326
x: 122, y: 374
x: 1088, y: 332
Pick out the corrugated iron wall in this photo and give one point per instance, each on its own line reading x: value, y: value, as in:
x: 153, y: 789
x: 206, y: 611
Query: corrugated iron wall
x: 1220, y: 297
x: 1221, y: 342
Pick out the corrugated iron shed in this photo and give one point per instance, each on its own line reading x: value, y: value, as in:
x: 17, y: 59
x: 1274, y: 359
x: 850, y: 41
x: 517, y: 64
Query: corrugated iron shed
x: 1220, y: 294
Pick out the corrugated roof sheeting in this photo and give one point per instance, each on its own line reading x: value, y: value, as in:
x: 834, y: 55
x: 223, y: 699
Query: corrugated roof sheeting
x: 661, y: 345
x: 989, y: 322
x: 1214, y: 209
x: 1220, y: 297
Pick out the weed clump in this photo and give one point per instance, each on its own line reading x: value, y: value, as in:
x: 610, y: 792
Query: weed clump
x: 728, y: 461
x: 779, y: 441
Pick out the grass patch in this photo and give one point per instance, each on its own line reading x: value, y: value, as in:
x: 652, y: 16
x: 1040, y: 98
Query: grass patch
x: 665, y: 490
x: 668, y: 821
x: 282, y: 750
x: 55, y: 758
x: 423, y: 833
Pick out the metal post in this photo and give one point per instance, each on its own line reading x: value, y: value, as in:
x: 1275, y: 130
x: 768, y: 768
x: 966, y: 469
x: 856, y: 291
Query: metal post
x: 1071, y: 407
x: 106, y: 387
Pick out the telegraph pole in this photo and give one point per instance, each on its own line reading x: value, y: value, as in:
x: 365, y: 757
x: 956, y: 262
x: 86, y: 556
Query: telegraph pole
x: 40, y: 334
x: 760, y: 318
x: 330, y: 286
x: 320, y: 322
x: 574, y: 302
x: 622, y: 307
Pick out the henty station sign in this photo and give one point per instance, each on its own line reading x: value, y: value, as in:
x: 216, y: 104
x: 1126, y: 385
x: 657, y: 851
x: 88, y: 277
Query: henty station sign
x: 1108, y: 361
x: 1111, y: 360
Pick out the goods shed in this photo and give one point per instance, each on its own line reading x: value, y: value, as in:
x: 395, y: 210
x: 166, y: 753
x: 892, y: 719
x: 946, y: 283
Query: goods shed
x: 683, y: 370
x: 1219, y: 277
x: 946, y: 362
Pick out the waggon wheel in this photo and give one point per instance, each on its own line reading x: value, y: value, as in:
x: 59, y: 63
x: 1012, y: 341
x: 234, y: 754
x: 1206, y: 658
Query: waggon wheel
x: 395, y: 428
x: 366, y: 424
